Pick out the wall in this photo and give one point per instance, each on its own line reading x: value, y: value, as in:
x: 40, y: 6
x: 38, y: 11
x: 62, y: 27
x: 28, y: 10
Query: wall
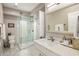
x: 10, y: 19
x: 1, y: 13
x: 60, y: 17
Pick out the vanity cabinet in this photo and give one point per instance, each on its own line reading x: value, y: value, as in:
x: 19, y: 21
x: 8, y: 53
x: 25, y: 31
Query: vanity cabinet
x: 43, y: 51
x: 36, y: 51
x: 1, y: 13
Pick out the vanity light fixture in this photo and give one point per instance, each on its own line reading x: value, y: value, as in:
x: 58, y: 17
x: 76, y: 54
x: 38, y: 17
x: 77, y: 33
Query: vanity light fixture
x: 16, y: 4
x: 52, y: 5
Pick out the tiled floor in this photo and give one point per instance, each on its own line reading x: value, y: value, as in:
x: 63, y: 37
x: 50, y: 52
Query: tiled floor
x: 28, y: 51
x: 9, y: 51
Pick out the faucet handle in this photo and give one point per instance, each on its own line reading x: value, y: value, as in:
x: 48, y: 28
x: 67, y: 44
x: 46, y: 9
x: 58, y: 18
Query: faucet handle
x: 64, y: 38
x: 52, y: 38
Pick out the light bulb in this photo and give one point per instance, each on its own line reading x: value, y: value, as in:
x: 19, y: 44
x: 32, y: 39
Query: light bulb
x: 16, y: 4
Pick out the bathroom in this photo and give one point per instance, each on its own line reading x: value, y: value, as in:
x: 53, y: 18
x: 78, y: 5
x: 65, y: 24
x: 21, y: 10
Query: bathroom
x: 20, y: 27
x: 39, y: 29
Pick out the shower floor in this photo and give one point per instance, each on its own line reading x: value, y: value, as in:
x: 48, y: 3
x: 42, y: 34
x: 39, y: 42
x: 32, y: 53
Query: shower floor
x: 25, y: 45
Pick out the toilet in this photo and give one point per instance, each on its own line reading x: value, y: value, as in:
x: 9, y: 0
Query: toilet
x: 12, y: 41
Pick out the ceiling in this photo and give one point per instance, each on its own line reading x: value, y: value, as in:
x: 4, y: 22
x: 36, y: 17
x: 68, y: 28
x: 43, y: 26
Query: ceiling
x: 56, y: 7
x: 21, y: 6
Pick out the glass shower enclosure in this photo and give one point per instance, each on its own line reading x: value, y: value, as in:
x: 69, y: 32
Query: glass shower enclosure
x: 25, y: 31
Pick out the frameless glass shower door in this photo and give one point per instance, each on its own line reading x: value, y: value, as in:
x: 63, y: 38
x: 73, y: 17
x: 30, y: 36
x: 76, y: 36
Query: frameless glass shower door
x: 25, y: 30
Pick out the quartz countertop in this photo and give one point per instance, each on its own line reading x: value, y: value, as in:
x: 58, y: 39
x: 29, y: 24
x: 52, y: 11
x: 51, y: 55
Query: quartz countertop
x: 57, y: 48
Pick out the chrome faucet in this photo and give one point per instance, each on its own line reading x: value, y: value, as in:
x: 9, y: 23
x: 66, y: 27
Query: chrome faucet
x: 52, y: 39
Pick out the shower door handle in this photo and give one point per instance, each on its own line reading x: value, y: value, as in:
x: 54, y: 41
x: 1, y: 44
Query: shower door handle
x: 32, y: 30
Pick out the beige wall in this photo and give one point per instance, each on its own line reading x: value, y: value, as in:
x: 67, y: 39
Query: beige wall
x: 1, y: 13
x: 60, y: 17
x: 10, y: 19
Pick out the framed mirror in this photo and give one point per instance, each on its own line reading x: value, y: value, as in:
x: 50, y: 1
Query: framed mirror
x: 1, y: 28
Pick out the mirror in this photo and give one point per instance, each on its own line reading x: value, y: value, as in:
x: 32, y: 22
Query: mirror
x: 1, y: 26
